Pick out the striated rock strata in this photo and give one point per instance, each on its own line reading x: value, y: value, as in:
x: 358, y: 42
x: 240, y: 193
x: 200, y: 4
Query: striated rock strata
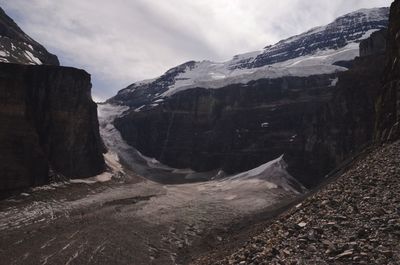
x: 48, y: 121
x: 388, y: 103
x: 345, y: 125
x: 234, y: 128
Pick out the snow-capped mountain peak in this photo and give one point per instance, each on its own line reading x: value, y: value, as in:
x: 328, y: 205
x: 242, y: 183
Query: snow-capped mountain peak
x: 321, y: 50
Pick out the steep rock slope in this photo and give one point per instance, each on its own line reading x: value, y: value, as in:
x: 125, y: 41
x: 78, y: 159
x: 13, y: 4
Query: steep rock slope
x: 250, y: 114
x: 388, y: 105
x: 49, y: 121
x: 17, y: 47
x: 234, y: 128
x: 353, y: 220
x: 345, y: 125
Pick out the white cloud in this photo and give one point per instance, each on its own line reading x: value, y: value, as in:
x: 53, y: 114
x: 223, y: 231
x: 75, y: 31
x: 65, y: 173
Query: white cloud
x: 122, y: 41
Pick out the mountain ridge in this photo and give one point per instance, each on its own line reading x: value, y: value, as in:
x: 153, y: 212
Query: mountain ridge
x: 17, y: 47
x: 296, y: 58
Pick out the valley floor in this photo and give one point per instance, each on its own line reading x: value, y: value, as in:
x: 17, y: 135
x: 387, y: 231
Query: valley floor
x: 353, y: 220
x: 130, y: 220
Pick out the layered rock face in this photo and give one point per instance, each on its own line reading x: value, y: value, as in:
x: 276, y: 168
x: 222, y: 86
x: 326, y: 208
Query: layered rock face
x: 375, y: 44
x: 49, y: 121
x: 316, y: 123
x: 309, y: 108
x: 233, y: 128
x: 345, y: 125
x: 17, y: 47
x: 388, y: 103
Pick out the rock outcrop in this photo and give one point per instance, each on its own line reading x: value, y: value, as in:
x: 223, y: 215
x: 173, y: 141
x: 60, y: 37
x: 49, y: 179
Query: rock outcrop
x: 317, y: 122
x: 206, y: 116
x: 17, y: 47
x: 234, y: 128
x: 353, y: 220
x: 388, y: 103
x: 345, y: 125
x: 375, y: 44
x: 49, y: 123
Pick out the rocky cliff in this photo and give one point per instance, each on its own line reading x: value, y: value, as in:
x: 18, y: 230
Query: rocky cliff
x: 234, y: 128
x: 317, y: 120
x: 18, y: 47
x: 388, y: 103
x: 345, y: 125
x: 49, y: 123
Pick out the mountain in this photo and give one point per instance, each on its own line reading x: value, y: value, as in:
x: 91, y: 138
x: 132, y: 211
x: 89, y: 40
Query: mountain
x: 387, y: 127
x: 351, y: 206
x: 239, y: 114
x: 49, y: 120
x: 322, y: 50
x: 17, y: 47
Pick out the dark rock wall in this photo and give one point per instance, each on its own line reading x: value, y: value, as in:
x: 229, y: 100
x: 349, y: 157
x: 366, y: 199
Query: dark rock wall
x: 388, y: 103
x: 237, y: 127
x: 374, y: 44
x: 48, y: 120
x: 316, y: 125
x: 344, y: 126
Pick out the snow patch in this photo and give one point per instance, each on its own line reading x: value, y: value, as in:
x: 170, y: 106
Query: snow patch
x: 104, y: 177
x: 274, y: 172
x: 32, y: 58
x: 212, y: 75
x: 264, y: 125
x: 139, y: 108
x: 334, y: 81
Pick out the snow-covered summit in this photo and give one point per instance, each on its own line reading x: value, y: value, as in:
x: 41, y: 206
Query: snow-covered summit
x: 321, y: 50
x: 350, y: 28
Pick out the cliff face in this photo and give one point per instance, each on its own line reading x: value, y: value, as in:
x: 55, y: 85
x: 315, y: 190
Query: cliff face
x: 234, y: 128
x: 388, y: 103
x: 49, y: 121
x: 345, y: 125
x: 375, y: 44
x: 316, y: 122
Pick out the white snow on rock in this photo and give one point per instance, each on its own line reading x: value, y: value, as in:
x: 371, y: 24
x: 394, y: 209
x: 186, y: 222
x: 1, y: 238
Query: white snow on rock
x: 242, y: 69
x: 334, y: 81
x: 273, y: 172
x: 264, y: 125
x: 32, y: 58
x: 207, y: 74
x: 104, y: 177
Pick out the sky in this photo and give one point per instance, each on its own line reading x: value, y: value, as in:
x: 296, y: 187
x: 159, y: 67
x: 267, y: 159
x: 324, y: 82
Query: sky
x: 123, y: 41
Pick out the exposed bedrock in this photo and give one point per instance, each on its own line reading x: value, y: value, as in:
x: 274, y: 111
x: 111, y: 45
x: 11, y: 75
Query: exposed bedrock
x: 317, y: 122
x: 234, y: 128
x: 48, y: 121
x: 345, y: 125
x: 388, y: 103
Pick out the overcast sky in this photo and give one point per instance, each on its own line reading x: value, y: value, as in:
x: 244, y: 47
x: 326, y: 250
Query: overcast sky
x: 123, y: 41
